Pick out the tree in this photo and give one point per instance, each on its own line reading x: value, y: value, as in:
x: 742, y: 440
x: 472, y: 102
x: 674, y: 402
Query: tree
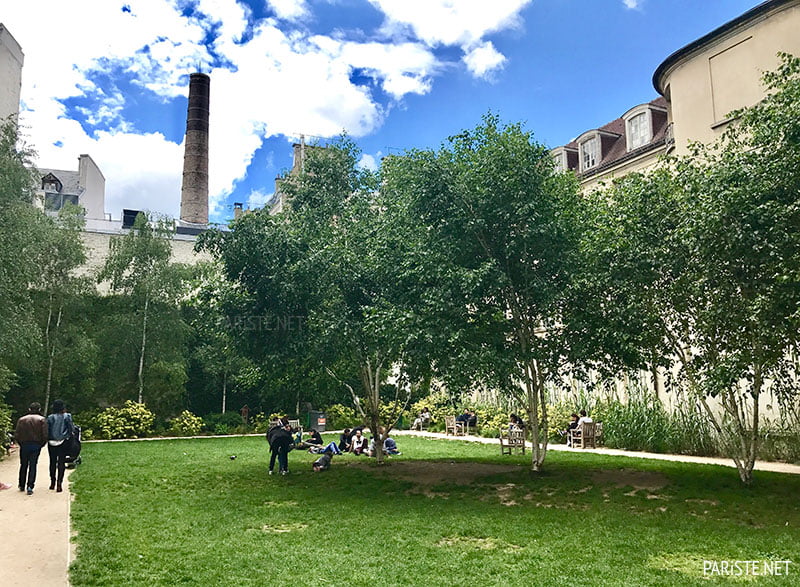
x: 216, y: 350
x: 23, y: 229
x: 334, y: 264
x: 61, y: 255
x: 508, y: 224
x: 704, y: 255
x: 138, y: 266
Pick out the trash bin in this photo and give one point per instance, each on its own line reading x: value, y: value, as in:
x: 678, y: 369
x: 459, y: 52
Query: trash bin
x: 317, y: 420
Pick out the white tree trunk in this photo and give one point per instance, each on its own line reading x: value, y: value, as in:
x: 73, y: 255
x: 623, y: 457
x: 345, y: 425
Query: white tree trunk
x: 144, y: 344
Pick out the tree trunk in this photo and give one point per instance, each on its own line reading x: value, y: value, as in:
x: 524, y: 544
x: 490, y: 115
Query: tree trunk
x: 224, y: 390
x: 534, y: 392
x: 144, y: 344
x: 50, y: 345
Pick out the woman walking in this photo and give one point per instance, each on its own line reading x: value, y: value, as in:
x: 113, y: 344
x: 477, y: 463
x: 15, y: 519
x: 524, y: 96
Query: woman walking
x: 60, y: 430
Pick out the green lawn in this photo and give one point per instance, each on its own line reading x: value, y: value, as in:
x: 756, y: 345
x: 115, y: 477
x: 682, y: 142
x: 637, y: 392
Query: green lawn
x: 446, y: 512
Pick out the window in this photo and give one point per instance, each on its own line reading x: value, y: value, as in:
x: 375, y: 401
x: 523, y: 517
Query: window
x: 638, y: 131
x: 54, y: 202
x: 590, y: 153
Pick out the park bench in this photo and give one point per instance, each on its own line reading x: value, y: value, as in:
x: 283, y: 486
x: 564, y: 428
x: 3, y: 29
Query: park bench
x: 584, y: 436
x: 467, y: 426
x: 452, y: 426
x: 512, y: 439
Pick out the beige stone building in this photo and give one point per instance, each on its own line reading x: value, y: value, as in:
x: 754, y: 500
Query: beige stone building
x: 721, y: 71
x: 700, y: 84
x: 85, y: 187
x: 11, y: 59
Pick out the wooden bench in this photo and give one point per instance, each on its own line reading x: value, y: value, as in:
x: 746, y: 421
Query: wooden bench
x: 584, y: 436
x: 511, y: 440
x: 452, y: 426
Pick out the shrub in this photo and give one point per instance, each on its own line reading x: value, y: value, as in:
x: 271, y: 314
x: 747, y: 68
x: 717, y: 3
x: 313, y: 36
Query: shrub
x: 260, y: 423
x: 394, y: 407
x: 186, y: 424
x: 340, y: 417
x: 440, y: 406
x: 5, y: 424
x: 222, y: 423
x: 132, y: 420
x: 558, y: 418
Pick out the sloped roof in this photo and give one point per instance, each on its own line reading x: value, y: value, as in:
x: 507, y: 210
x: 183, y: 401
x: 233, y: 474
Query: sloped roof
x: 70, y: 180
x: 618, y: 151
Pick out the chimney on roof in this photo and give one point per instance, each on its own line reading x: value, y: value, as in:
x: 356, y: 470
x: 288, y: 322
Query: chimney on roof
x: 194, y: 190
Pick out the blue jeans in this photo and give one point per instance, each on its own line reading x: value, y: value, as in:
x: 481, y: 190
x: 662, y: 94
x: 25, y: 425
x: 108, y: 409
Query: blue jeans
x: 28, y: 460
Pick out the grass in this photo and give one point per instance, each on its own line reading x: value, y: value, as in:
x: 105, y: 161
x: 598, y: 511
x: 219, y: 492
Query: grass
x: 181, y: 512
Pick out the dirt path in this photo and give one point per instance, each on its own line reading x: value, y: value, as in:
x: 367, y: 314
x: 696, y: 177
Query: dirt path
x: 37, y: 549
x: 36, y: 545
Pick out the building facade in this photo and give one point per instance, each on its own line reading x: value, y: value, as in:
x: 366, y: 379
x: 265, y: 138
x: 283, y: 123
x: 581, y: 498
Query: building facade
x: 11, y: 60
x: 85, y: 187
x: 699, y: 85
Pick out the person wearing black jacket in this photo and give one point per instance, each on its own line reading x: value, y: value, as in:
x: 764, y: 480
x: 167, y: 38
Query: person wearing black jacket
x: 280, y: 439
x: 60, y: 430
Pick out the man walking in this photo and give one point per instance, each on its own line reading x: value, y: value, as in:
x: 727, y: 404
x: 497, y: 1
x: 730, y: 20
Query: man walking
x: 31, y: 436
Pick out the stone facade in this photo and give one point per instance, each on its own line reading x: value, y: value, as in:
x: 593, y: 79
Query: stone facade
x: 11, y: 59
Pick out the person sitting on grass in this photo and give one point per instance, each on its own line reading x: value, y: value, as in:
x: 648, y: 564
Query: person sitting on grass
x: 358, y: 444
x: 390, y: 446
x: 314, y: 439
x: 344, y: 440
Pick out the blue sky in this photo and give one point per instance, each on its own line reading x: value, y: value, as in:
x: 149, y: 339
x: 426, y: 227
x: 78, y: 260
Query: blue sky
x: 110, y: 78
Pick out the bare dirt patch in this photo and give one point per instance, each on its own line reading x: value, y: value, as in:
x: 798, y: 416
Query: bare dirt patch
x: 631, y: 478
x: 283, y: 528
x: 473, y: 543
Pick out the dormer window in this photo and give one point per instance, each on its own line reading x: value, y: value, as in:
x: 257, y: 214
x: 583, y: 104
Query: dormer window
x: 638, y: 131
x: 50, y: 183
x: 590, y: 152
x: 641, y: 124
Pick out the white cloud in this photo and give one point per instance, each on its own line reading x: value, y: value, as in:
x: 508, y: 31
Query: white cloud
x: 462, y: 23
x: 257, y: 199
x: 632, y: 4
x: 368, y: 162
x: 452, y: 22
x: 483, y: 60
x: 289, y: 9
x: 276, y: 82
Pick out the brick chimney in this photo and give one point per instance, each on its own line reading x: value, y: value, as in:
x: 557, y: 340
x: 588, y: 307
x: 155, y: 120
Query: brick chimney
x: 194, y: 190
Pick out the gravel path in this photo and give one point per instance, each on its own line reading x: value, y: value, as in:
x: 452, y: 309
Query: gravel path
x: 36, y: 544
x: 37, y: 548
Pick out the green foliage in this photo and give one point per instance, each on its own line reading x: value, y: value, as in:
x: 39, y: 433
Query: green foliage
x: 559, y: 418
x: 6, y: 425
x: 439, y: 404
x: 186, y: 424
x: 227, y: 421
x: 341, y: 417
x: 132, y: 420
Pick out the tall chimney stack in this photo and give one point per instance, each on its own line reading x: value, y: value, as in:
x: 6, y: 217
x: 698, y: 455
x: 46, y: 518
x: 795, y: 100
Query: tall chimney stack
x: 194, y: 190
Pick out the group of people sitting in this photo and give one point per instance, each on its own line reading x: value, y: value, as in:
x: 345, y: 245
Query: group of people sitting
x: 469, y: 419
x: 353, y: 440
x: 283, y: 439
